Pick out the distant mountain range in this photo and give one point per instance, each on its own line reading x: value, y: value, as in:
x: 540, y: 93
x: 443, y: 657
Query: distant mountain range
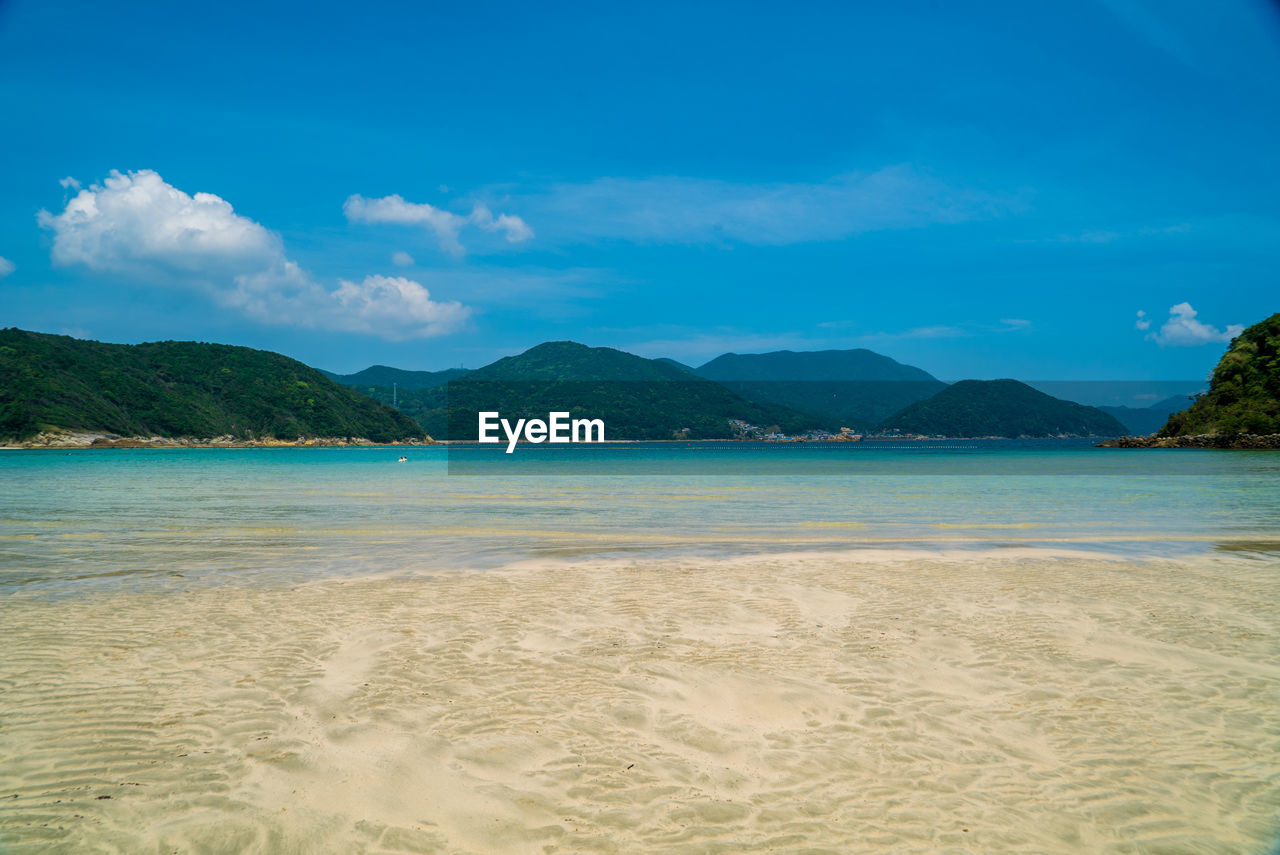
x: 381, y: 375
x: 1144, y: 420
x: 1005, y: 408
x: 637, y: 398
x: 845, y: 388
x: 186, y: 389
x: 178, y: 389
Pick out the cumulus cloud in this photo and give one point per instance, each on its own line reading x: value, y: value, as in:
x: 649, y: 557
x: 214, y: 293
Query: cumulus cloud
x: 136, y: 224
x: 445, y: 225
x: 1183, y: 330
x: 6, y: 267
x: 382, y: 302
x: 1143, y: 322
x: 402, y: 259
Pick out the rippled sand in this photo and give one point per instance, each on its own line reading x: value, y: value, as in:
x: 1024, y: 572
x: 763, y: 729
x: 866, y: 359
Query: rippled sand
x: 1000, y: 701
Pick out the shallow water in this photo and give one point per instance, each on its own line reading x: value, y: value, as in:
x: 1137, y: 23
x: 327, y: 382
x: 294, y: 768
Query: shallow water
x: 121, y: 516
x: 305, y: 650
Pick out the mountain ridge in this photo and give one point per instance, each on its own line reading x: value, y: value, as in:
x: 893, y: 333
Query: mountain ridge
x: 178, y: 389
x: 638, y: 398
x: 1003, y: 408
x: 385, y: 375
x: 856, y: 388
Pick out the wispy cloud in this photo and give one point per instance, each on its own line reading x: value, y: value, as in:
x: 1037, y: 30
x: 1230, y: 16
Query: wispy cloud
x: 1223, y: 40
x: 1106, y: 236
x: 961, y: 330
x: 138, y: 225
x: 694, y: 345
x: 6, y: 267
x: 1182, y: 329
x: 684, y: 210
x: 445, y: 225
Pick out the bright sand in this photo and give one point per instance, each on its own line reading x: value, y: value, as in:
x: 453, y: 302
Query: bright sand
x: 880, y: 701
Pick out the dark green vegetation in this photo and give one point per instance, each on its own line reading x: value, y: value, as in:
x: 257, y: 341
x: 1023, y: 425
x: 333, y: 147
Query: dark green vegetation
x: 637, y: 398
x: 1004, y: 408
x: 178, y: 389
x: 850, y: 388
x: 676, y: 363
x: 1144, y: 420
x: 1244, y: 389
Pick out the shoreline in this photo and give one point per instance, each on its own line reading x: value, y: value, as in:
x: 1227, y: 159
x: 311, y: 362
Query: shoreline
x: 92, y: 439
x: 1266, y: 441
x: 88, y: 439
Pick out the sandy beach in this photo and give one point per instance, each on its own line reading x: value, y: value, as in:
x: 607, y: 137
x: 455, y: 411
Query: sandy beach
x: 1013, y: 700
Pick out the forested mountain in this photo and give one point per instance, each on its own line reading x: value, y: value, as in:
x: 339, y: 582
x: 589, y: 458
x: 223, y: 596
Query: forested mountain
x: 1003, y: 408
x: 178, y: 389
x: 637, y: 398
x: 854, y: 388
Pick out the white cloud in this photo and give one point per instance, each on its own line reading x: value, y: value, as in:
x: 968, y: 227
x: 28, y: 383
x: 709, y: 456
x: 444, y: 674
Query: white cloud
x: 384, y: 302
x: 697, y: 210
x: 138, y: 225
x: 402, y: 259
x: 1183, y: 330
x: 70, y: 183
x: 446, y: 225
x: 6, y: 267
x: 1143, y: 323
x: 964, y: 329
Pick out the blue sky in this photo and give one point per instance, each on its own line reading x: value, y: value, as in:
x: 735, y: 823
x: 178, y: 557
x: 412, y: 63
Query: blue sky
x: 983, y: 190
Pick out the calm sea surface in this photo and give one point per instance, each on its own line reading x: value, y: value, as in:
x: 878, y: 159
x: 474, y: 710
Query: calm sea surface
x: 71, y: 521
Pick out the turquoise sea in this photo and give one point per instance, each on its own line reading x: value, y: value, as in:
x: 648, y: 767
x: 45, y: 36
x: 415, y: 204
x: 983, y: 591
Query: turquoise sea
x: 933, y: 647
x: 124, y: 517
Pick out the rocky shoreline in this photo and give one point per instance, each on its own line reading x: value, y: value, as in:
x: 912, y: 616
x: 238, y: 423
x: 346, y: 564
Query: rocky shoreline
x: 72, y: 439
x: 1203, y: 440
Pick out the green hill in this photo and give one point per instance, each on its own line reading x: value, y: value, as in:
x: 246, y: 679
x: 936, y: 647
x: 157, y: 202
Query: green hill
x: 1244, y: 390
x: 1004, y: 408
x: 676, y: 363
x: 382, y: 375
x: 637, y: 398
x: 854, y: 388
x: 177, y: 389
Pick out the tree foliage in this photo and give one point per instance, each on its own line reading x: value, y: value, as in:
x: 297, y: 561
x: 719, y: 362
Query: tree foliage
x: 178, y: 389
x: 1244, y: 390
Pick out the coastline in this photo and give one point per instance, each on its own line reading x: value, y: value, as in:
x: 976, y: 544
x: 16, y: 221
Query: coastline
x: 1205, y: 440
x: 90, y: 439
x: 75, y: 440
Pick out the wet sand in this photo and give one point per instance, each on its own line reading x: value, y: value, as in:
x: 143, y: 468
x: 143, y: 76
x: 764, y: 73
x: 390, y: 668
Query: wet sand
x: 880, y: 701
